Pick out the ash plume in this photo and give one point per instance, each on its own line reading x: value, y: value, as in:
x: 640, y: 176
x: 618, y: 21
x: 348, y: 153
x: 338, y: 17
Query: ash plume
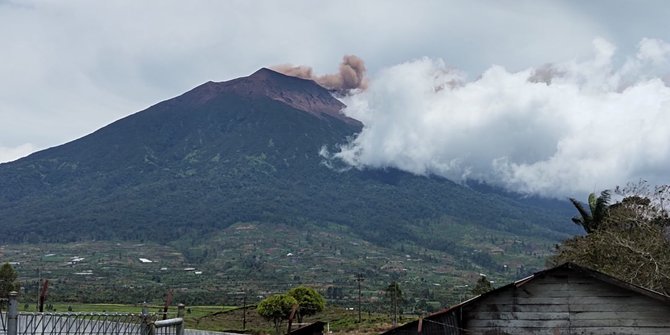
x: 351, y: 74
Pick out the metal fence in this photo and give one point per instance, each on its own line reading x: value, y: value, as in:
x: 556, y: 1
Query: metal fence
x: 13, y: 322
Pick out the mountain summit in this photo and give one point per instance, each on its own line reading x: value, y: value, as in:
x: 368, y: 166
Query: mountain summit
x: 301, y: 94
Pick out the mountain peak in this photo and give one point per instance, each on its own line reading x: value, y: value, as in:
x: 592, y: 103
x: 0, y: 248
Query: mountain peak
x: 265, y: 73
x: 302, y: 94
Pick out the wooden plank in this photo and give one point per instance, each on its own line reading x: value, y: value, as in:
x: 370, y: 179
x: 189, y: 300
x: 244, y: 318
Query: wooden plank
x: 574, y: 303
x: 539, y: 300
x: 521, y: 316
x: 587, y: 287
x: 599, y: 306
x: 547, y: 324
x: 580, y: 284
x: 551, y: 292
x: 517, y: 330
x: 563, y: 291
x: 620, y: 323
x: 577, y: 301
x: 616, y: 331
x: 610, y: 307
x: 523, y: 308
x: 569, y: 331
x: 622, y: 315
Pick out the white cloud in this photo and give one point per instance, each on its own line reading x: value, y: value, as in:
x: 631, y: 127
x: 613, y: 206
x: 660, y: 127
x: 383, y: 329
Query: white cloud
x: 11, y: 154
x: 653, y: 50
x: 562, y: 129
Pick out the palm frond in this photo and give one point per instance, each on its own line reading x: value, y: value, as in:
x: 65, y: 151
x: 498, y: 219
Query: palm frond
x: 580, y: 208
x: 601, y: 207
x: 592, y: 202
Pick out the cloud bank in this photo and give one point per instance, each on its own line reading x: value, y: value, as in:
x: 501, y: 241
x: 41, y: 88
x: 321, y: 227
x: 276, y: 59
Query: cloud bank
x: 556, y: 130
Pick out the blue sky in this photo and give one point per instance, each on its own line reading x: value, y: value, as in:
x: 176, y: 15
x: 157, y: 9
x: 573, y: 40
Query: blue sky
x: 71, y: 67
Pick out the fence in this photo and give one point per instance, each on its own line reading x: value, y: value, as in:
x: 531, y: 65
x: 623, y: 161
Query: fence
x: 14, y: 322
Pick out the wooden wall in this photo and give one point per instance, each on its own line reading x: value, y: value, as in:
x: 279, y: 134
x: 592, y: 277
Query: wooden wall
x: 566, y: 302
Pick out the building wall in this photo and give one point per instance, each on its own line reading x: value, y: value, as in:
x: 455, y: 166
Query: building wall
x: 566, y: 302
x: 442, y: 324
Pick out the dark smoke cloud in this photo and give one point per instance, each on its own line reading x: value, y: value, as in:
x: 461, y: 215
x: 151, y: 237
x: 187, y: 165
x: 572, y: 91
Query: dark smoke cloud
x: 351, y: 74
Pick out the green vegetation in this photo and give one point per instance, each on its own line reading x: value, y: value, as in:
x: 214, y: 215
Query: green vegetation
x: 250, y: 259
x: 340, y: 320
x: 631, y: 240
x: 592, y: 219
x: 482, y: 286
x: 310, y: 302
x: 298, y: 302
x: 8, y: 280
x: 277, y: 308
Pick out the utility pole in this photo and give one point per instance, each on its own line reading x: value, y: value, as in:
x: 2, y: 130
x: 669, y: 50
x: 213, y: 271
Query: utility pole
x: 244, y: 311
x: 43, y: 295
x: 168, y: 302
x: 359, y: 279
x: 395, y: 307
x: 394, y: 291
x: 39, y: 286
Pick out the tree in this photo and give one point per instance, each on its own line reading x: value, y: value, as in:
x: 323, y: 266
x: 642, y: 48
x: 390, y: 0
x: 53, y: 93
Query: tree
x: 591, y: 219
x: 632, y: 242
x: 8, y: 280
x: 482, y: 286
x: 276, y: 308
x: 309, y: 301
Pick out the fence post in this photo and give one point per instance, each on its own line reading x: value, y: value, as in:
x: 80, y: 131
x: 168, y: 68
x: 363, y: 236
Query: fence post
x: 147, y: 326
x: 180, y: 314
x: 13, y: 314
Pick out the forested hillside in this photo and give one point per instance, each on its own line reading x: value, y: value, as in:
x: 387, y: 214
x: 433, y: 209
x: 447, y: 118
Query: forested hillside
x: 191, y: 170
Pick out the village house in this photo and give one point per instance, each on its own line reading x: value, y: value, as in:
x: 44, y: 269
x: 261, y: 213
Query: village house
x: 567, y: 299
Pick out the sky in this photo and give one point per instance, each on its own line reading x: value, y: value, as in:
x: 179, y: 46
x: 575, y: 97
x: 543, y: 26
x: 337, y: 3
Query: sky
x: 557, y: 98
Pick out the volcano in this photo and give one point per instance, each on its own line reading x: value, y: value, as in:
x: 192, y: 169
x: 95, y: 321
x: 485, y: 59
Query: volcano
x: 224, y: 153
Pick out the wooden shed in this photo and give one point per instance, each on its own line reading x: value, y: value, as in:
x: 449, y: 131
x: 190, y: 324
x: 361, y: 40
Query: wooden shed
x: 567, y: 299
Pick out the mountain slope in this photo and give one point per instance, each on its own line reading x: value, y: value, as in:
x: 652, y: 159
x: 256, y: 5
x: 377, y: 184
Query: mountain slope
x: 241, y: 151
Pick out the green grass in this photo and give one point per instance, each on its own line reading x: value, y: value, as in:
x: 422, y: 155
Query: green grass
x: 340, y: 320
x: 230, y: 318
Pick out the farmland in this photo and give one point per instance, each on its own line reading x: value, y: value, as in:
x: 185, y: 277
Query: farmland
x: 245, y: 262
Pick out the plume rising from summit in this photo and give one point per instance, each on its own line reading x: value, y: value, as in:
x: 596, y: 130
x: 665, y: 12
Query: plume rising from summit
x: 351, y: 74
